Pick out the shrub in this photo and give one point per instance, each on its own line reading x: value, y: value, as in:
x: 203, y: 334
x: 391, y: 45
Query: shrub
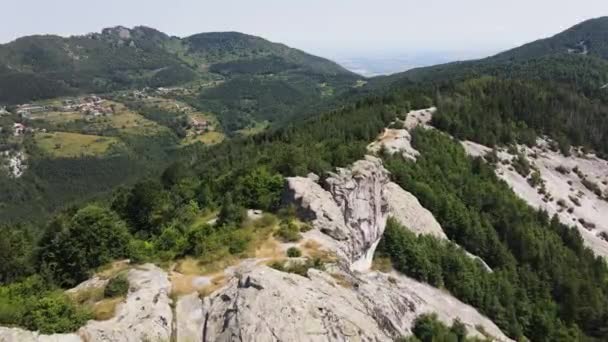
x: 117, y: 286
x: 288, y: 232
x: 591, y: 186
x: 294, y: 252
x: 305, y: 227
x: 562, y: 169
x: 521, y: 165
x: 300, y: 268
x: 535, y: 179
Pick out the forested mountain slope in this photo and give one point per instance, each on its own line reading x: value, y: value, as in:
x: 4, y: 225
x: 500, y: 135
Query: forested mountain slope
x: 152, y: 96
x: 119, y: 58
x: 577, y: 55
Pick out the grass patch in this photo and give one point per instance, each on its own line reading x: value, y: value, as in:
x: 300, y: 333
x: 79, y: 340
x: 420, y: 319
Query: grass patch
x: 117, y: 287
x: 299, y: 267
x: 111, y: 270
x: 70, y: 145
x: 209, y: 138
x: 258, y: 127
x: 342, y: 280
x: 216, y: 283
x: 382, y: 264
x: 106, y: 309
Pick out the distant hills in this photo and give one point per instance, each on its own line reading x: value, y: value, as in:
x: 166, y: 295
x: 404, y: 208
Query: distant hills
x: 242, y: 84
x: 40, y: 67
x: 576, y: 55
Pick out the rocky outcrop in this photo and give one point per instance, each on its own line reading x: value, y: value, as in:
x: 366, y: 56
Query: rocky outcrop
x: 407, y: 210
x: 564, y: 189
x: 20, y: 335
x: 352, y: 209
x: 145, y: 315
x: 394, y: 141
x: 344, y: 302
x: 399, y: 140
x: 264, y: 304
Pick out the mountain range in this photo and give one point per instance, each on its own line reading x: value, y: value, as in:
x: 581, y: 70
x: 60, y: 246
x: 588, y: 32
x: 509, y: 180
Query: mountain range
x: 223, y: 187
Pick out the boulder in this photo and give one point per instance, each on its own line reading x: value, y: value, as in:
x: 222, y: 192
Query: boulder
x: 145, y: 315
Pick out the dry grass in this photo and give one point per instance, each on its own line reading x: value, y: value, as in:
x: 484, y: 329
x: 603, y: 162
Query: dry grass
x: 191, y: 266
x: 106, y: 309
x: 113, y: 269
x: 216, y: 283
x: 270, y: 248
x: 342, y: 280
x: 382, y: 264
x: 313, y: 249
x: 64, y: 144
x: 87, y: 296
x: 182, y: 284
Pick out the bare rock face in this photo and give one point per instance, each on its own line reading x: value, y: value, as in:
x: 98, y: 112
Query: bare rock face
x: 394, y: 141
x: 20, y: 335
x: 145, y: 315
x: 407, y: 210
x: 264, y: 304
x: 353, y: 209
x: 575, y: 187
x: 359, y: 193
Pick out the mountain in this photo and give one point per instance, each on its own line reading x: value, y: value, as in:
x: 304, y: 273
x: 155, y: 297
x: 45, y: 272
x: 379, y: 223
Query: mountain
x: 587, y: 38
x: 579, y: 54
x: 40, y: 67
x: 163, y: 94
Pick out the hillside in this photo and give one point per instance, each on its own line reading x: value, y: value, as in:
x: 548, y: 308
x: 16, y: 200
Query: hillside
x: 461, y: 202
x: 577, y: 56
x: 155, y: 95
x: 41, y: 67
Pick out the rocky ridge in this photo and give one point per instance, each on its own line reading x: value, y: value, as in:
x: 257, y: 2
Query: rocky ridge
x: 344, y: 301
x: 575, y: 187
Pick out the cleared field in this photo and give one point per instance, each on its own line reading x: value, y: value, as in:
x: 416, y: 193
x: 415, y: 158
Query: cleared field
x: 57, y: 117
x: 64, y: 144
x: 209, y: 138
x: 257, y: 128
x: 126, y: 121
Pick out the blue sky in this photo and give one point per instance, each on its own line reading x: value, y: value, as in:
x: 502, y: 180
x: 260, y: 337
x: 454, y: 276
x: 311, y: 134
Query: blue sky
x: 325, y: 27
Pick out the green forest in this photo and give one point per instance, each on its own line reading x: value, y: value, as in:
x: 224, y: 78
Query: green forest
x: 545, y: 284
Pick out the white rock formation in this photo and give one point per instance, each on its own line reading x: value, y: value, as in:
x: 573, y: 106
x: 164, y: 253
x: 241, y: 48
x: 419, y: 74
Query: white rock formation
x: 346, y: 302
x: 574, y: 204
x: 20, y: 335
x: 394, y: 141
x: 400, y: 140
x: 264, y: 304
x: 405, y: 208
x: 13, y: 162
x: 419, y: 117
x: 146, y: 314
x: 353, y: 209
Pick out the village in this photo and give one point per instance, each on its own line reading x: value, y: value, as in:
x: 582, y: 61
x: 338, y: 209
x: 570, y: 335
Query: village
x: 159, y: 98
x: 92, y: 106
